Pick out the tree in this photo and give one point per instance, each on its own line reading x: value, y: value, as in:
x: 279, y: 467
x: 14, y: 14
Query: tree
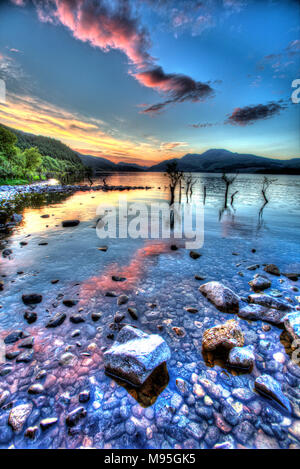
x: 266, y: 184
x: 7, y: 142
x: 228, y: 181
x: 175, y: 177
x: 190, y: 181
x: 33, y: 159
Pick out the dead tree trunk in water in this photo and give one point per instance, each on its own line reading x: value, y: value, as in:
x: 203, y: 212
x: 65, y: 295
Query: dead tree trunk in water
x: 175, y: 176
x: 228, y: 181
x: 189, y: 184
x: 266, y: 184
x: 232, y: 197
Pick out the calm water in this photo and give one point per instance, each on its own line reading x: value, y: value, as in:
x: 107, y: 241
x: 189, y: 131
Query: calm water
x: 160, y: 285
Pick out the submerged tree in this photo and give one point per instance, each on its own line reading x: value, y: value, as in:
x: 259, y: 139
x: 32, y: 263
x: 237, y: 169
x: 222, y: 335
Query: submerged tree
x: 204, y: 195
x: 266, y: 184
x: 175, y: 177
x: 190, y: 181
x: 228, y: 181
x: 232, y: 198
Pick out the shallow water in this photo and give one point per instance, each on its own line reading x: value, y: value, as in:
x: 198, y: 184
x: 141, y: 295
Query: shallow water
x: 160, y: 285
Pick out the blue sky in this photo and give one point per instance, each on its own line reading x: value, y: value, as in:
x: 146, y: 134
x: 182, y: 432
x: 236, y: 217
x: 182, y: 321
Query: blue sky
x: 144, y: 80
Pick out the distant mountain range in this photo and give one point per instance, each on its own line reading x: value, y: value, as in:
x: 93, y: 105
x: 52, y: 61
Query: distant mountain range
x: 102, y: 164
x: 214, y: 160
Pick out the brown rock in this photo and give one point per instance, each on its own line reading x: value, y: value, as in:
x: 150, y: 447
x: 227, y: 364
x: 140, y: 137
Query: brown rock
x: 18, y: 416
x: 226, y: 336
x: 272, y: 269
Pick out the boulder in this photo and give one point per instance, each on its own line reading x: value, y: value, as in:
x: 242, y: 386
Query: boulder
x: 292, y: 324
x: 75, y: 416
x: 122, y: 300
x: 25, y: 357
x: 32, y: 298
x: 76, y: 318
x: 272, y: 269
x: 30, y: 316
x: 260, y: 313
x: 69, y: 302
x: 56, y: 320
x: 292, y: 276
x: 241, y: 357
x: 222, y: 297
x: 84, y: 396
x: 48, y: 422
x: 69, y: 223
x: 224, y: 336
x: 135, y: 355
x: 6, y: 252
x: 194, y: 255
x: 133, y: 313
x: 18, y: 416
x: 36, y: 388
x: 259, y: 283
x: 268, y: 386
x: 67, y: 359
x: 117, y: 278
x: 269, y: 302
x: 13, y: 337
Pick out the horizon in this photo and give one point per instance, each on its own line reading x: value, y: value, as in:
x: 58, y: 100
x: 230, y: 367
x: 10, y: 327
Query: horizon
x: 139, y: 85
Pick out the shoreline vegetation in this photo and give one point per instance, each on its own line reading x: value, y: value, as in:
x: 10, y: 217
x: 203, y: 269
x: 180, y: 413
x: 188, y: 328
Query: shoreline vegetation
x: 25, y: 159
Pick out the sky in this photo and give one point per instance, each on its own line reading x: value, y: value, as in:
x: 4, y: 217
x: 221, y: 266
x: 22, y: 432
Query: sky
x: 141, y: 81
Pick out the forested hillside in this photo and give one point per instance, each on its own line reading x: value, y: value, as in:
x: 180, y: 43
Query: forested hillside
x: 47, y: 146
x: 25, y: 158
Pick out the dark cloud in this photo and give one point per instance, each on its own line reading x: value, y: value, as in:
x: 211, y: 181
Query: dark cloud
x: 179, y: 88
x: 250, y: 114
x: 203, y: 125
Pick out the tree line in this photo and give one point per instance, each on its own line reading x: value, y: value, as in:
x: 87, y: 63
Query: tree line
x: 25, y: 158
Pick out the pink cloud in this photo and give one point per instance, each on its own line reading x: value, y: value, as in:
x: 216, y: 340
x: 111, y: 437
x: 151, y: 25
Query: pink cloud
x: 113, y: 26
x: 101, y: 26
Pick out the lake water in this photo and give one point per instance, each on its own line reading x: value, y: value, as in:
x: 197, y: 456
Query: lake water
x: 160, y: 284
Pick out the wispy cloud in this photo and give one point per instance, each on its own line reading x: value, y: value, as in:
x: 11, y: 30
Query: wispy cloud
x: 178, y: 88
x: 203, y: 125
x: 250, y: 114
x: 169, y: 146
x: 194, y: 16
x: 283, y: 59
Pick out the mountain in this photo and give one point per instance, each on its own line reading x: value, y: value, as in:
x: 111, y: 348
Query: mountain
x: 219, y: 160
x: 214, y: 160
x: 47, y: 146
x: 97, y: 163
x: 103, y: 165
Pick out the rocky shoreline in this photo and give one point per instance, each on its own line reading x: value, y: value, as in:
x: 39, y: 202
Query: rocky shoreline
x: 54, y: 392
x: 191, y: 356
x: 8, y: 193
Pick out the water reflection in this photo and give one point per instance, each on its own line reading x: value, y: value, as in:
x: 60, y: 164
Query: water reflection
x: 147, y: 394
